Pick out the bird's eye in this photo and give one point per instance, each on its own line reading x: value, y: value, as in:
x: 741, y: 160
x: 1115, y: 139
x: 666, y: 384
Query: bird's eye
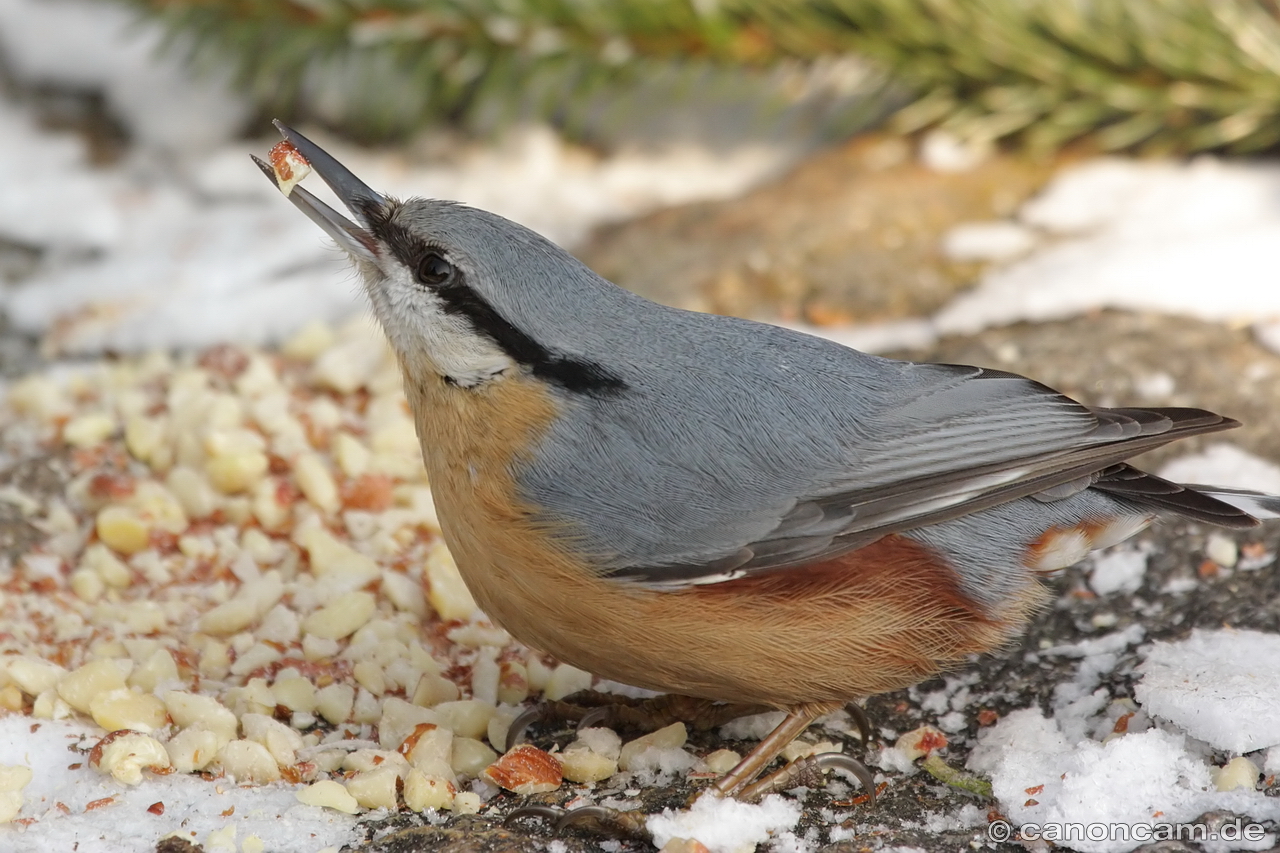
x: 433, y: 270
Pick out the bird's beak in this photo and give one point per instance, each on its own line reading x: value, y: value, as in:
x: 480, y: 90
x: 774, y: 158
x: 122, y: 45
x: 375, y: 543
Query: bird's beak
x: 357, y: 240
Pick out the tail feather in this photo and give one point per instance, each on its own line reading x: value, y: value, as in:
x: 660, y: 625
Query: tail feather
x: 1256, y: 504
x: 1213, y: 505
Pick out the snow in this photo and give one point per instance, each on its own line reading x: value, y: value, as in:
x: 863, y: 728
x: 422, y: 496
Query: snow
x: 1077, y: 703
x: 1226, y: 465
x: 753, y: 727
x: 88, y: 45
x: 1195, y: 239
x: 1106, y: 789
x: 1214, y: 690
x: 944, y: 152
x: 34, y: 206
x: 183, y: 243
x: 726, y: 825
x: 661, y: 765
x: 894, y: 760
x: 192, y: 805
x: 988, y: 241
x: 1191, y: 238
x: 1119, y: 570
x: 1219, y: 686
x: 199, y: 250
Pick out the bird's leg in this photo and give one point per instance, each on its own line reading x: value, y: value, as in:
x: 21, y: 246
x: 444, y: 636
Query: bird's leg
x: 731, y: 783
x: 601, y: 819
x: 740, y: 781
x: 591, y: 708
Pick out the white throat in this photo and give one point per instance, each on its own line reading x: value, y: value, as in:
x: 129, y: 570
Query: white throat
x: 419, y: 329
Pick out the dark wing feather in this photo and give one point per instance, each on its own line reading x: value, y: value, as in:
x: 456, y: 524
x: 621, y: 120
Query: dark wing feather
x: 1149, y: 490
x: 825, y: 526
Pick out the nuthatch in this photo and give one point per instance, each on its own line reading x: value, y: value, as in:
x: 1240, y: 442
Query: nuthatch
x: 717, y: 508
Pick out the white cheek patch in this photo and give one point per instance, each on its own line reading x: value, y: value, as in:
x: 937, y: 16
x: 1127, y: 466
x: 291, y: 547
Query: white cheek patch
x: 418, y: 326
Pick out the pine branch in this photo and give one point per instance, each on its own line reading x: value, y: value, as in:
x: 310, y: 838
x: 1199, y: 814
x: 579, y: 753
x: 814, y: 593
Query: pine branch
x: 1165, y: 75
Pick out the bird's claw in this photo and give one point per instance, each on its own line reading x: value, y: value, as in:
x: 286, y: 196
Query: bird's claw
x: 861, y: 720
x: 859, y: 771
x: 603, y: 819
x: 808, y: 773
x: 520, y: 725
x: 589, y: 705
x: 614, y: 821
x: 595, y: 717
x: 549, y: 813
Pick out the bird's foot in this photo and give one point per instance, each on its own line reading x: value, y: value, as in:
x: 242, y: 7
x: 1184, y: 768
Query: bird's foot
x: 595, y: 819
x: 803, y: 772
x: 589, y: 708
x: 740, y: 783
x: 807, y: 772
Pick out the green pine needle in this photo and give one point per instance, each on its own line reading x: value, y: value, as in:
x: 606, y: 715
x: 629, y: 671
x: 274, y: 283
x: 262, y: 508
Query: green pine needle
x: 1165, y: 75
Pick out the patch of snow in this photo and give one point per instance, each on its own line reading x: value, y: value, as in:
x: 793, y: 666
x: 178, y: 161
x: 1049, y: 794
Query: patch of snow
x: 952, y: 722
x: 875, y: 337
x: 89, y: 45
x: 943, y: 151
x: 1267, y: 333
x: 1118, y: 570
x: 661, y: 766
x: 1077, y: 703
x: 966, y: 817
x: 1180, y: 586
x: 894, y: 760
x: 1106, y: 644
x: 754, y: 727
x: 726, y: 825
x: 1222, y: 687
x: 205, y: 251
x: 1101, y: 791
x: 51, y: 198
x: 190, y: 245
x: 1158, y: 384
x: 988, y: 241
x: 1224, y: 465
x: 189, y: 275
x: 1194, y: 239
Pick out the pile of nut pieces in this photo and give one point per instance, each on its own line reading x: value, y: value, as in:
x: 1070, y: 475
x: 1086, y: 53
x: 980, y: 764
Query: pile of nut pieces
x: 241, y: 576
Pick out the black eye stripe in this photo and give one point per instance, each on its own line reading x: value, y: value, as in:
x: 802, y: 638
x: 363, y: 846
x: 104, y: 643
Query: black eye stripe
x: 458, y: 298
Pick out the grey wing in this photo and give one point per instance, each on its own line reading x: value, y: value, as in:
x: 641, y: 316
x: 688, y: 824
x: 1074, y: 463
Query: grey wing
x: 965, y: 439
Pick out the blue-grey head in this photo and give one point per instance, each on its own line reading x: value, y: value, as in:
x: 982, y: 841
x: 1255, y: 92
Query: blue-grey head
x: 462, y: 291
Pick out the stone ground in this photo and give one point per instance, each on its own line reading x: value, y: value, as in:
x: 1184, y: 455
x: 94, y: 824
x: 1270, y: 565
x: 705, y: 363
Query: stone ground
x: 853, y: 235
